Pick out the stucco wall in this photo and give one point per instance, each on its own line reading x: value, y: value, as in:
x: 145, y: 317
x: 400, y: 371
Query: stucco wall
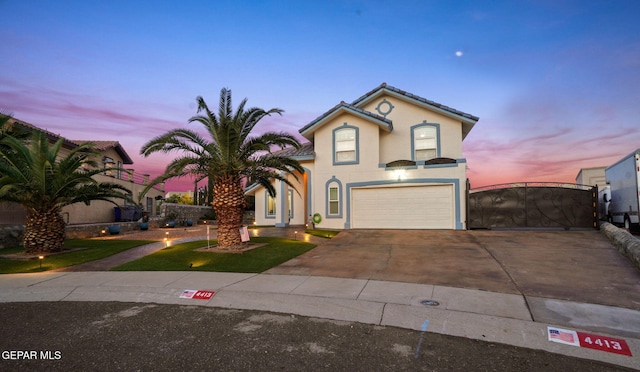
x: 397, y: 144
x: 102, y: 211
x: 299, y: 204
x: 376, y: 146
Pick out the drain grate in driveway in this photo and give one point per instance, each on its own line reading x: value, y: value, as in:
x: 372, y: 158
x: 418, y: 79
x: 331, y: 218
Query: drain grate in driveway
x: 430, y: 303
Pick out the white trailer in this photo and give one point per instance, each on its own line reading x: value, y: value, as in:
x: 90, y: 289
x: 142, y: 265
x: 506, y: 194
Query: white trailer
x: 624, y: 179
x: 604, y: 198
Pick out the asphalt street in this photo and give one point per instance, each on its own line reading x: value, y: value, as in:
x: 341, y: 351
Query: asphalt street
x: 108, y: 336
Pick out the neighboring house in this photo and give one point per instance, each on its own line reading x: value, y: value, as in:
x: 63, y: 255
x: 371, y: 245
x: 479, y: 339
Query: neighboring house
x: 592, y: 177
x: 390, y: 159
x: 112, y: 155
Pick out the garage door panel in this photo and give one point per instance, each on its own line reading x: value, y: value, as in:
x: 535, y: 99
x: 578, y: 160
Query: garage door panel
x: 414, y: 207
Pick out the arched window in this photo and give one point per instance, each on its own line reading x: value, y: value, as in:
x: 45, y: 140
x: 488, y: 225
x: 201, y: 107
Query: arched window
x: 345, y: 145
x: 334, y: 198
x: 425, y: 142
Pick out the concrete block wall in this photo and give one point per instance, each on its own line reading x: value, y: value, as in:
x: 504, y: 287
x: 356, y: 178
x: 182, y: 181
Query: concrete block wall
x: 184, y: 212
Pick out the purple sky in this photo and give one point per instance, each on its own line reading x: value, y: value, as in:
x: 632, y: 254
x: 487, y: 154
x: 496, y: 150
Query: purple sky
x: 556, y: 83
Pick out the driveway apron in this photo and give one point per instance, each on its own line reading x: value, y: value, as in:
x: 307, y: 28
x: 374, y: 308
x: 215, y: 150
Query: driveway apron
x: 579, y: 266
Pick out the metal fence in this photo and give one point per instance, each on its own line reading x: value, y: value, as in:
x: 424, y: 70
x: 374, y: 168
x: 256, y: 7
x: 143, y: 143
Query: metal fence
x: 533, y: 205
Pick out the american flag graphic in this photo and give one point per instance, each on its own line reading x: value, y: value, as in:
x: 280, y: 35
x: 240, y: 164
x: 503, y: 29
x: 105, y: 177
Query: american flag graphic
x: 563, y: 336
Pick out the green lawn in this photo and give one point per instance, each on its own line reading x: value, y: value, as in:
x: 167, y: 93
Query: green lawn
x: 181, y: 256
x: 95, y: 250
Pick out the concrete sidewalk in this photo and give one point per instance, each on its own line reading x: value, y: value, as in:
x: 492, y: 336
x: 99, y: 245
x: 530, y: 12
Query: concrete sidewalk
x: 483, y: 315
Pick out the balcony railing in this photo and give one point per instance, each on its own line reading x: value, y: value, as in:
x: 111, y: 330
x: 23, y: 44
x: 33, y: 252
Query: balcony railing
x: 131, y: 176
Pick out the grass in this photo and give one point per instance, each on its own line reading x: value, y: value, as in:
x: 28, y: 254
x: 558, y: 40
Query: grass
x: 95, y: 250
x: 181, y: 256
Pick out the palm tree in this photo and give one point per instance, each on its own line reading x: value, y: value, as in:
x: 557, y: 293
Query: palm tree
x: 36, y: 175
x: 231, y: 158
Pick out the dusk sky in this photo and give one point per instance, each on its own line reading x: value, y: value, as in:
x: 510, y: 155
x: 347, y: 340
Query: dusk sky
x: 556, y: 83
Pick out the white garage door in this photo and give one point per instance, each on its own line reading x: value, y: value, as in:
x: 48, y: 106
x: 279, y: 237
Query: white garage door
x: 413, y: 207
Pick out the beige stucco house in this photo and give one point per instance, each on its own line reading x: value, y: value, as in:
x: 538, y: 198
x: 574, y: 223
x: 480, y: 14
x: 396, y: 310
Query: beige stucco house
x: 390, y: 159
x: 112, y: 155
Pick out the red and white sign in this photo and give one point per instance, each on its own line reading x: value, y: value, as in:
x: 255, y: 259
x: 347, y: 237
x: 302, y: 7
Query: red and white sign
x: 244, y: 234
x: 604, y: 343
x: 563, y: 336
x: 588, y: 340
x: 197, y: 294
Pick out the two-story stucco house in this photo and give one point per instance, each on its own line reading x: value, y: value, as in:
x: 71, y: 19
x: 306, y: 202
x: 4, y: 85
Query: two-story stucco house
x: 111, y: 155
x: 390, y: 159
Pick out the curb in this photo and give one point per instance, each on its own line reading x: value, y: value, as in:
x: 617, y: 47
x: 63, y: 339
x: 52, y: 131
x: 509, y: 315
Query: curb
x: 626, y: 243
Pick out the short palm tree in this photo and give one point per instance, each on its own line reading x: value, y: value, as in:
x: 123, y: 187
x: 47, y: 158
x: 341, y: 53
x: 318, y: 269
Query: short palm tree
x: 39, y: 176
x: 231, y: 158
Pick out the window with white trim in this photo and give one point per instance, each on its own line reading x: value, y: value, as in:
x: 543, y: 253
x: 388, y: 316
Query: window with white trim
x: 345, y: 145
x: 425, y: 143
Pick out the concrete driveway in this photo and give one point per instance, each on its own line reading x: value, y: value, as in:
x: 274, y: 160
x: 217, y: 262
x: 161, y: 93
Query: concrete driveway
x: 579, y: 266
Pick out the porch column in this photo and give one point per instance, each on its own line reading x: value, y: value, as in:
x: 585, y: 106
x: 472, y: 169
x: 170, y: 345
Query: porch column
x: 282, y: 206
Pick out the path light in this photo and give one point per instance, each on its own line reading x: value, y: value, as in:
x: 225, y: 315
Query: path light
x: 40, y: 258
x: 295, y: 235
x: 190, y: 265
x: 166, y: 242
x: 103, y: 232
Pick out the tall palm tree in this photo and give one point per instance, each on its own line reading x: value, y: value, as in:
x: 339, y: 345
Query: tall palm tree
x: 36, y: 175
x: 230, y: 158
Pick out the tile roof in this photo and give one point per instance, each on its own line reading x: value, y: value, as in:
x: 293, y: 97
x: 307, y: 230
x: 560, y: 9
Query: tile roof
x: 106, y: 145
x: 389, y: 88
x: 99, y: 145
x: 304, y: 151
x: 343, y: 105
x: 52, y: 136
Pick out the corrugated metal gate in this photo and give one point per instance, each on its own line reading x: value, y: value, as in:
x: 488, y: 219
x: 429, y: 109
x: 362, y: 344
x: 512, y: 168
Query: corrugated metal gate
x: 533, y: 205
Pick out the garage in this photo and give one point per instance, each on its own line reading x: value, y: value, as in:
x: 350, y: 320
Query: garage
x: 408, y: 207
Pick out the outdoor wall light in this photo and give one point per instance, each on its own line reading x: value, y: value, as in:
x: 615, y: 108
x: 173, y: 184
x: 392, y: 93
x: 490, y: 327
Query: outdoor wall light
x: 399, y: 174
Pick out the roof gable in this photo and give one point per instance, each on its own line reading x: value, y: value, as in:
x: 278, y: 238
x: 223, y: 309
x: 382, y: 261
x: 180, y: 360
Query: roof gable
x: 106, y: 145
x: 99, y: 145
x: 308, y: 130
x: 467, y: 120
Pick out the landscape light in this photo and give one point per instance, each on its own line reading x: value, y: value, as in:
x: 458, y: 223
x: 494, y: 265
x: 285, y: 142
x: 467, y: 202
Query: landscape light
x: 295, y: 235
x: 40, y: 258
